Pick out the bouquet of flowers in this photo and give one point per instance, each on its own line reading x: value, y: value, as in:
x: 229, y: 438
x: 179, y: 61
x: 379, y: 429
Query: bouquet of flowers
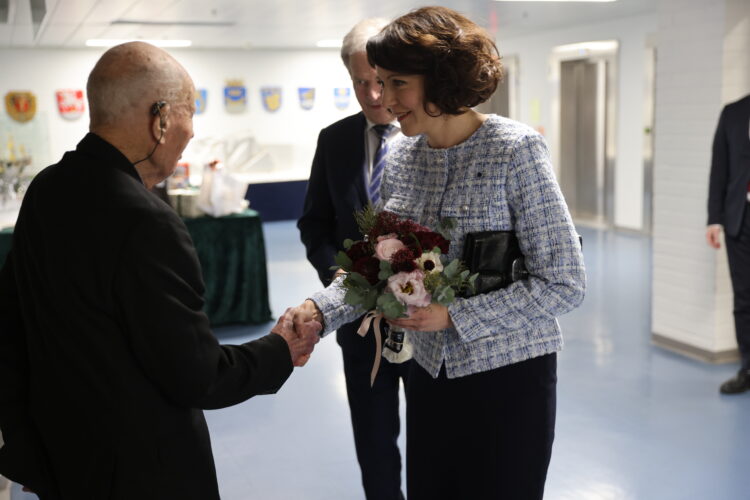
x: 398, y: 266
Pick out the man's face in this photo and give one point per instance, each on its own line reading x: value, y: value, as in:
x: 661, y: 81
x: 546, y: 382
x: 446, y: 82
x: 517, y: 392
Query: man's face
x: 367, y: 89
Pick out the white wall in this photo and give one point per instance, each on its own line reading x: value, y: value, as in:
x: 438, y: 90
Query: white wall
x: 534, y: 86
x: 703, y: 63
x: 45, y: 71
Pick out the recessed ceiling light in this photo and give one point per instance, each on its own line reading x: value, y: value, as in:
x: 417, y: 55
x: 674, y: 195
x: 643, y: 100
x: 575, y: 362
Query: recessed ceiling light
x: 555, y: 0
x: 208, y: 24
x: 111, y: 42
x: 600, y: 46
x: 329, y: 43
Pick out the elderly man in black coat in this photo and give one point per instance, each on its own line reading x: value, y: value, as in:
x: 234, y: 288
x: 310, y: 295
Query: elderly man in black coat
x: 106, y: 358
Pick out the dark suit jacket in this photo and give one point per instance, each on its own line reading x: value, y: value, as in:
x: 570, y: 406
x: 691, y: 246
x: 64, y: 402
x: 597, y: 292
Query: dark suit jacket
x: 106, y: 358
x: 336, y: 190
x: 730, y: 167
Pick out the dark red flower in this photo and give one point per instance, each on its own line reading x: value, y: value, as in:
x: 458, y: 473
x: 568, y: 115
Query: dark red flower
x: 429, y: 240
x: 403, y: 261
x: 386, y: 223
x: 369, y: 267
x: 409, y: 226
x: 358, y: 250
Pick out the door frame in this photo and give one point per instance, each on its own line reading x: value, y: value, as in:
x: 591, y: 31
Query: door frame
x: 604, y: 53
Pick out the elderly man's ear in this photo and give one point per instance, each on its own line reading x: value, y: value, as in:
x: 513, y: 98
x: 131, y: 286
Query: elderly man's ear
x: 159, y: 121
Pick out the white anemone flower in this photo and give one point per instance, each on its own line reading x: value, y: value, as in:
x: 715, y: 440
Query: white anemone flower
x: 429, y: 262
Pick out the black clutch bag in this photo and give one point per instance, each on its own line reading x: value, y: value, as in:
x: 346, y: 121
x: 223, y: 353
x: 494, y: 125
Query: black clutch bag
x: 496, y: 258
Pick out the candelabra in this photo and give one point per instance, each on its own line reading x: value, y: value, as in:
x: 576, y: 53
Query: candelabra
x: 12, y: 166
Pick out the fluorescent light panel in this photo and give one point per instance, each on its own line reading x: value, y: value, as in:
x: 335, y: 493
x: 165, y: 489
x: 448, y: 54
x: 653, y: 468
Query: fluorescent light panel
x: 601, y: 46
x: 329, y: 43
x: 111, y: 42
x: 518, y: 1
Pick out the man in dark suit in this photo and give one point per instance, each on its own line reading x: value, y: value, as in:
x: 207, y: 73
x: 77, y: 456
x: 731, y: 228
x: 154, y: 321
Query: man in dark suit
x: 106, y: 358
x: 344, y: 178
x: 729, y: 207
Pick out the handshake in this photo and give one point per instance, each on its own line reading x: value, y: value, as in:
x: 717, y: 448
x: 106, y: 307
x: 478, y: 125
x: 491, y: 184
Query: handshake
x: 300, y: 326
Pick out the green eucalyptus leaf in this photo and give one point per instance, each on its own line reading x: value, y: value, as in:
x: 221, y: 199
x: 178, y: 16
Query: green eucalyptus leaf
x: 348, y: 243
x: 390, y: 306
x: 354, y: 297
x: 343, y: 261
x: 452, y: 269
x: 370, y: 300
x: 386, y: 271
x: 446, y: 227
x: 444, y: 295
x: 358, y: 280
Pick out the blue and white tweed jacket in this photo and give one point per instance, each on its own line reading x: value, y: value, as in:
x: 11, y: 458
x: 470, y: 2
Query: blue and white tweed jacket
x: 500, y: 178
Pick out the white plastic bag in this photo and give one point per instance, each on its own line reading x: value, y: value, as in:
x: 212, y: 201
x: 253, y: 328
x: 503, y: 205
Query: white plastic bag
x: 220, y: 193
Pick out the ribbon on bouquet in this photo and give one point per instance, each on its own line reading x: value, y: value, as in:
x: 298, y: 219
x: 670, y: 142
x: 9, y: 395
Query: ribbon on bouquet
x: 373, y: 318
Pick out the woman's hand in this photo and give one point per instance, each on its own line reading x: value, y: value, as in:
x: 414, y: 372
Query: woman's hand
x: 425, y: 319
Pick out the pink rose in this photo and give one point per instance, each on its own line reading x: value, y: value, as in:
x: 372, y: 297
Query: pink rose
x: 387, y: 236
x: 409, y: 289
x: 385, y: 248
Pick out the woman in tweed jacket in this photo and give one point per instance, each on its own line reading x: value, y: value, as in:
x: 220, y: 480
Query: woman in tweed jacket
x: 481, y: 395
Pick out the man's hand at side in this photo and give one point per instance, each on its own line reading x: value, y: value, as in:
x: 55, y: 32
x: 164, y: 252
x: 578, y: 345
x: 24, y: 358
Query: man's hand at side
x: 713, y: 235
x: 300, y: 337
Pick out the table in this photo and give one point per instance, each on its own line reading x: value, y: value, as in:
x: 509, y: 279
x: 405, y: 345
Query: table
x: 232, y: 253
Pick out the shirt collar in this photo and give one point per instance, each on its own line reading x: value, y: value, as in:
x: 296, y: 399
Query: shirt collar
x: 395, y: 123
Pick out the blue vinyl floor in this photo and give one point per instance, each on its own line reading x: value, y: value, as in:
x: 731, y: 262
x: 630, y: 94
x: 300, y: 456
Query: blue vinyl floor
x: 635, y: 422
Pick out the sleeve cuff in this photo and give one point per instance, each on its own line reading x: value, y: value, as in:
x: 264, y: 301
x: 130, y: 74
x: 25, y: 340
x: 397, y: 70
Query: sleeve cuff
x: 335, y: 311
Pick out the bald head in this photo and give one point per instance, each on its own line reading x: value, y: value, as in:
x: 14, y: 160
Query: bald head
x: 129, y: 78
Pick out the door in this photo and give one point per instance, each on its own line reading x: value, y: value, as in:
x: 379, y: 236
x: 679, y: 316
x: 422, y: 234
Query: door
x: 583, y: 173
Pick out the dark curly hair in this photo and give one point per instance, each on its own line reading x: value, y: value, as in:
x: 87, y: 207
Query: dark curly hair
x: 458, y: 59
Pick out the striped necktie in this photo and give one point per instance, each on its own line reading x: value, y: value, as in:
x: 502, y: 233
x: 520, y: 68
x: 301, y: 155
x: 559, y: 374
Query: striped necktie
x: 378, y: 162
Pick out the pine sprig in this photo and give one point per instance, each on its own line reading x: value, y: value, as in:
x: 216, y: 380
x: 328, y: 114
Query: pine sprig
x: 366, y: 218
x: 446, y: 227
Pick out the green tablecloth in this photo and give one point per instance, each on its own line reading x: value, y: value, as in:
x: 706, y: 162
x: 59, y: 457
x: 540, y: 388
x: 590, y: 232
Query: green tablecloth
x: 233, y: 257
x: 232, y: 254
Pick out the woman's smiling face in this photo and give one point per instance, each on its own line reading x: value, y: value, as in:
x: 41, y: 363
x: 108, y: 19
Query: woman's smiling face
x: 403, y: 95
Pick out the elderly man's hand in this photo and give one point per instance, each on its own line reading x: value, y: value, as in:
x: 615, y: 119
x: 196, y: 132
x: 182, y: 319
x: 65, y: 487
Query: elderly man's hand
x: 301, y: 336
x: 303, y: 313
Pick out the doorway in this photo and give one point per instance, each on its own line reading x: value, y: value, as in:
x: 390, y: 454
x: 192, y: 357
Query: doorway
x: 582, y: 122
x: 586, y: 141
x: 504, y: 101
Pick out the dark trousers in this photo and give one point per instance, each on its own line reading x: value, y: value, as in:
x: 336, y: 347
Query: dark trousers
x: 374, y: 412
x: 738, y: 253
x: 486, y: 436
